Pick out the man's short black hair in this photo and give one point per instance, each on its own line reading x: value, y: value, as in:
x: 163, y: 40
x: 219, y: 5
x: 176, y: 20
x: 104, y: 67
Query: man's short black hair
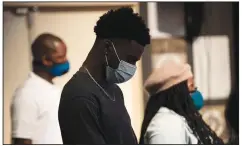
x: 123, y: 23
x: 44, y: 45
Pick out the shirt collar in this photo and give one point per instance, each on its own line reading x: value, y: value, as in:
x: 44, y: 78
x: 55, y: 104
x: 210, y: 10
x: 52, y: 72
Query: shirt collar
x: 40, y: 79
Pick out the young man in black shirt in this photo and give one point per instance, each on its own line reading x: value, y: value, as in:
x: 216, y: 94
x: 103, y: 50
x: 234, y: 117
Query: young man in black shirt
x: 92, y: 109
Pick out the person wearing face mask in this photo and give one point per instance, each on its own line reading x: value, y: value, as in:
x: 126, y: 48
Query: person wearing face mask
x: 171, y: 115
x: 34, y: 106
x: 92, y: 109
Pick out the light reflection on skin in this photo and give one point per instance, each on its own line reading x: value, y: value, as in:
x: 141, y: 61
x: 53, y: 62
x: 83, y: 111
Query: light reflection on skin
x: 191, y: 85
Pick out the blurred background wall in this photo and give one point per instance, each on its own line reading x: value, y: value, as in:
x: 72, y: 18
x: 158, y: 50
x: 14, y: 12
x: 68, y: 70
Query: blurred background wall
x: 204, y: 35
x: 210, y: 54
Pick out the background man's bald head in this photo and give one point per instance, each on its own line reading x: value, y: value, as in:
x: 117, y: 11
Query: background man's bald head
x: 44, y: 45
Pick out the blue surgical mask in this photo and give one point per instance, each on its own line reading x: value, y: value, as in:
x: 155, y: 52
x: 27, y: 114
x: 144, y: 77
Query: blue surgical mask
x: 123, y: 73
x: 197, y: 99
x: 59, y: 69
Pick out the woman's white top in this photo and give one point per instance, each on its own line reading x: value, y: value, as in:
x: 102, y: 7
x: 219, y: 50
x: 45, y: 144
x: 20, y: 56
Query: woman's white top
x: 167, y: 127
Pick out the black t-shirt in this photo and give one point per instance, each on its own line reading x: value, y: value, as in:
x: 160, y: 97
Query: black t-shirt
x: 88, y: 116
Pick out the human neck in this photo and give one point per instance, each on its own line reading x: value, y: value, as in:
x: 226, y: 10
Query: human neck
x: 97, y: 71
x: 46, y: 76
x: 95, y: 63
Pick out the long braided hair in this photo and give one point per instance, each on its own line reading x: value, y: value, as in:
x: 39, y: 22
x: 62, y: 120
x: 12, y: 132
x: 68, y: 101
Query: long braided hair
x: 178, y: 99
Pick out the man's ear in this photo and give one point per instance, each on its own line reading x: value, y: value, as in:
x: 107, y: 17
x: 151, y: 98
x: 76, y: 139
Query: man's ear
x: 46, y: 61
x: 108, y: 46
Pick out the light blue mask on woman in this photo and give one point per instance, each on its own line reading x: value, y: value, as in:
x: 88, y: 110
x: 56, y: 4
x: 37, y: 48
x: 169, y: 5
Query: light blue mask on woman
x: 123, y: 73
x: 197, y: 99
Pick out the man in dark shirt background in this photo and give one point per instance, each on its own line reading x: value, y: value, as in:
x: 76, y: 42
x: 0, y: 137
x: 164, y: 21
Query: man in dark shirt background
x: 92, y: 109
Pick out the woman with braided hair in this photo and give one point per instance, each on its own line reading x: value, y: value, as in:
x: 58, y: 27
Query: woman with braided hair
x: 171, y: 115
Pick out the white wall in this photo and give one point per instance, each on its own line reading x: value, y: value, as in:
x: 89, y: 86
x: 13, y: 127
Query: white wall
x: 16, y: 61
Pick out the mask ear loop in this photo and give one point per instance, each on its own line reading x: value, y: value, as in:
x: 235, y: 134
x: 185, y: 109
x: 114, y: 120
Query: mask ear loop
x: 106, y: 58
x: 115, y: 51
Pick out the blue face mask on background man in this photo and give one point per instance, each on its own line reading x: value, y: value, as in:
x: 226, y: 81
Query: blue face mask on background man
x: 59, y: 69
x: 197, y: 99
x: 123, y: 73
